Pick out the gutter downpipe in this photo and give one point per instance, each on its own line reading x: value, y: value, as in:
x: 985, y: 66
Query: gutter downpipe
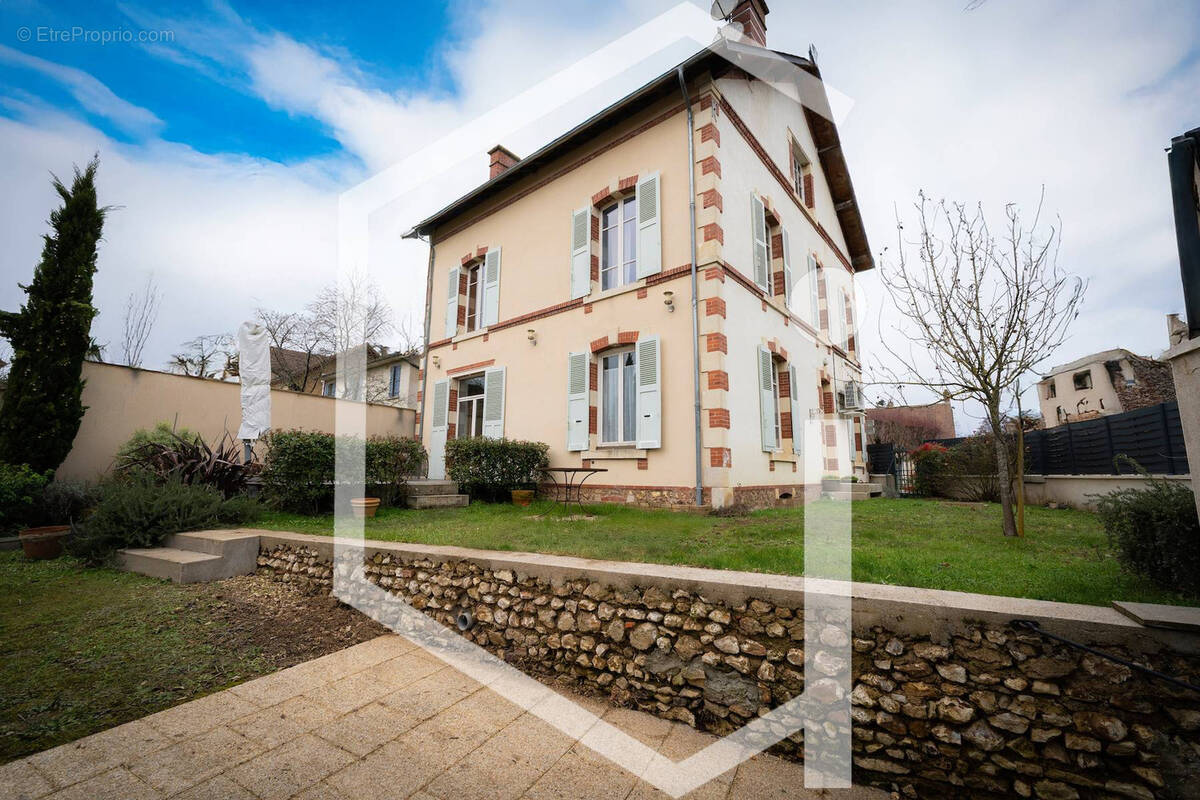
x: 691, y: 138
x: 428, y: 316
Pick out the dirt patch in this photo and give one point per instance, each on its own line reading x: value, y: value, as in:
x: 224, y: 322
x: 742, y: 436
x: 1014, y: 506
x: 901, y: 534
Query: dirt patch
x: 283, y: 623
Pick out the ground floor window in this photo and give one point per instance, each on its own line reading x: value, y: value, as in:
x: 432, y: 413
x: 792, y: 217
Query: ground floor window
x: 470, y: 407
x: 778, y: 418
x: 618, y: 397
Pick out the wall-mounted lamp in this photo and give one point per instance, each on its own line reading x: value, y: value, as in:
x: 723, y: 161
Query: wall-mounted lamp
x: 531, y: 335
x: 669, y: 300
x: 437, y: 362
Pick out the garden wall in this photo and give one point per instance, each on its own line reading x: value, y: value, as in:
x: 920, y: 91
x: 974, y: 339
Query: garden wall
x: 949, y: 699
x: 120, y: 400
x: 1075, y: 491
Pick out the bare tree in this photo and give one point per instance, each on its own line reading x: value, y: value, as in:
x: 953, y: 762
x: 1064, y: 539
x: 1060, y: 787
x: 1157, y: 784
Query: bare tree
x: 141, y: 312
x: 298, y: 333
x: 978, y: 311
x: 205, y: 356
x: 351, y: 314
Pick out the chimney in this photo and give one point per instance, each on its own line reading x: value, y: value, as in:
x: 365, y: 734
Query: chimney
x: 752, y: 16
x: 502, y: 159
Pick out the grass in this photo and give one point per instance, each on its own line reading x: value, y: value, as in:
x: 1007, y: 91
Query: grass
x: 928, y: 543
x: 86, y: 649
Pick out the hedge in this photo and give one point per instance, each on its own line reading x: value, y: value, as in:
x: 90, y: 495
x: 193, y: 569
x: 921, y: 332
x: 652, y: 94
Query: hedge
x: 489, y: 469
x: 298, y: 468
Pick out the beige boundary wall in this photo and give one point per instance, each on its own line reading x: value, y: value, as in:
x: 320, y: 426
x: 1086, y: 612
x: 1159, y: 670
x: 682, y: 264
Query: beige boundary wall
x: 949, y: 699
x: 120, y: 400
x: 1079, y: 491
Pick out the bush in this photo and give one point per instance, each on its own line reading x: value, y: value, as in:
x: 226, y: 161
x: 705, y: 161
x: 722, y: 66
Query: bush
x: 968, y: 471
x: 163, y: 433
x: 298, y: 469
x: 62, y: 502
x: 929, y: 464
x: 489, y: 469
x: 186, y: 458
x: 1155, y: 532
x: 141, y: 513
x: 20, y: 490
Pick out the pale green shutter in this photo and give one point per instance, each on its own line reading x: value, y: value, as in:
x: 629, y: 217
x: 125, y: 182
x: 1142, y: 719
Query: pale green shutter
x: 493, y: 403
x: 452, y: 303
x: 491, y: 287
x: 649, y: 393
x: 649, y: 235
x: 766, y: 392
x: 577, y: 401
x: 581, y: 252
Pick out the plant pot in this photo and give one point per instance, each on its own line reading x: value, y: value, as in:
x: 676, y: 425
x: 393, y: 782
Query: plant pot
x: 364, y: 506
x: 45, y: 542
x: 522, y: 497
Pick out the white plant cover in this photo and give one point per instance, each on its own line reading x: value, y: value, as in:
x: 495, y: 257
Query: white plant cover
x: 254, y: 367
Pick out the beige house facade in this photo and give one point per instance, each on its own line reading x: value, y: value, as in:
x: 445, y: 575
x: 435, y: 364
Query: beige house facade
x: 561, y: 307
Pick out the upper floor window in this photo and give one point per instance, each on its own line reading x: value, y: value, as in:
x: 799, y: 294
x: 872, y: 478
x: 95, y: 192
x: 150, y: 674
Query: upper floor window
x: 1051, y: 391
x: 618, y: 244
x: 1083, y: 380
x: 802, y: 175
x: 473, y: 305
x: 329, y: 388
x: 394, y: 381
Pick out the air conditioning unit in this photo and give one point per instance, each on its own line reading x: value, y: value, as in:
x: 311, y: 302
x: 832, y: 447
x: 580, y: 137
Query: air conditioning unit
x: 851, y: 396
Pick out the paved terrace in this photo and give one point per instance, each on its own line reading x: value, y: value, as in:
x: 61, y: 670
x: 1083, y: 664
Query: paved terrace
x: 383, y: 719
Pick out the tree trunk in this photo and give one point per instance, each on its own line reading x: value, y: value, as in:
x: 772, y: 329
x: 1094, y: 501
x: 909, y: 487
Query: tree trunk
x: 1003, y: 473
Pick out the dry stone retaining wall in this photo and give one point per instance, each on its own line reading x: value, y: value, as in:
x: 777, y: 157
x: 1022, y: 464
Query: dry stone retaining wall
x: 948, y: 699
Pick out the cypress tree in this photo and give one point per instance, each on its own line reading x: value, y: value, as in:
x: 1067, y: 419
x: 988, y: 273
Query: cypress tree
x: 51, y: 334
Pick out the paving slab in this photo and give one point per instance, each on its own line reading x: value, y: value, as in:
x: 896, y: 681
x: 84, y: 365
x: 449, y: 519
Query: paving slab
x: 381, y: 720
x: 1153, y: 615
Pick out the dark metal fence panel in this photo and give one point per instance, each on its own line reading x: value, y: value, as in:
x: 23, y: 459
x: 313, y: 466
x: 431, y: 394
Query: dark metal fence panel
x: 1152, y: 437
x: 882, y: 458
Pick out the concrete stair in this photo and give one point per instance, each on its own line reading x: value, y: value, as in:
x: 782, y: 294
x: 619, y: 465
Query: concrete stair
x: 195, y: 556
x: 427, y: 493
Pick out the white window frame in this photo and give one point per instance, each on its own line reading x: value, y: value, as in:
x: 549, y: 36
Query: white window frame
x: 475, y: 294
x: 600, y: 357
x: 778, y: 405
x: 800, y: 165
x: 474, y: 400
x: 626, y: 214
x: 329, y: 388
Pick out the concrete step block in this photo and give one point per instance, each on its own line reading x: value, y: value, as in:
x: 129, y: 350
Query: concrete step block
x: 425, y: 486
x: 439, y: 501
x: 181, y: 566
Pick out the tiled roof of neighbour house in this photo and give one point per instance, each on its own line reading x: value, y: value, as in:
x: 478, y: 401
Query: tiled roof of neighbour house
x: 375, y: 359
x: 777, y: 66
x: 286, y: 364
x: 937, y: 416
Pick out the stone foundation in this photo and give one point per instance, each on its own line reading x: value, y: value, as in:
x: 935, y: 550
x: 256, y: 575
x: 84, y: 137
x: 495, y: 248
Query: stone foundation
x: 949, y: 700
x: 685, y: 496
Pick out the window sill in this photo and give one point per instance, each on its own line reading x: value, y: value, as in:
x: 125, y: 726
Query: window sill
x: 463, y: 337
x: 596, y: 295
x: 614, y: 452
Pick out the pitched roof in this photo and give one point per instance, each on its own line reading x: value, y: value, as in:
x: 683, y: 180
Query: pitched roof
x: 778, y: 66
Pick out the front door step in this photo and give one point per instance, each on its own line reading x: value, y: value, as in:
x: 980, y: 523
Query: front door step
x: 195, y: 556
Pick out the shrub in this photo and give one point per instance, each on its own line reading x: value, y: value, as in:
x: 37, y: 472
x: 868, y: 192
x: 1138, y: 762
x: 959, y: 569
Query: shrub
x: 298, y: 469
x: 969, y: 472
x: 64, y: 501
x: 1155, y: 532
x: 391, y: 460
x: 489, y: 469
x: 141, y: 513
x: 20, y: 490
x: 929, y: 462
x: 186, y: 458
x: 163, y: 433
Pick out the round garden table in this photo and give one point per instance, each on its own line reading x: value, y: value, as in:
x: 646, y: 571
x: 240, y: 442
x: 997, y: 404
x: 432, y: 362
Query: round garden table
x: 571, y: 485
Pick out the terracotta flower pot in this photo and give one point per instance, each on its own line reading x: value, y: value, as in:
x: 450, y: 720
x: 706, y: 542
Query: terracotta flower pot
x: 522, y: 497
x: 44, y: 542
x: 364, y: 506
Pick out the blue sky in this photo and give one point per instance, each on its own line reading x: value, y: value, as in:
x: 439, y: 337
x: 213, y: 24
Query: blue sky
x: 225, y: 148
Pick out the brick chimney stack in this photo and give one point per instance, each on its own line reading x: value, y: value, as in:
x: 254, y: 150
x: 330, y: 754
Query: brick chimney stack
x: 502, y: 159
x: 752, y: 15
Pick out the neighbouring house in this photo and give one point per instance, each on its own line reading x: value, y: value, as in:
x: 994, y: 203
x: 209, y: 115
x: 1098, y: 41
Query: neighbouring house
x: 1099, y: 384
x: 562, y: 290
x: 910, y: 426
x: 296, y: 370
x: 391, y: 378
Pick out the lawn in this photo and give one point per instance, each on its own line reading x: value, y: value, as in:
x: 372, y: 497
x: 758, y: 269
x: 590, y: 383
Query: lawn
x: 82, y: 650
x: 927, y: 543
